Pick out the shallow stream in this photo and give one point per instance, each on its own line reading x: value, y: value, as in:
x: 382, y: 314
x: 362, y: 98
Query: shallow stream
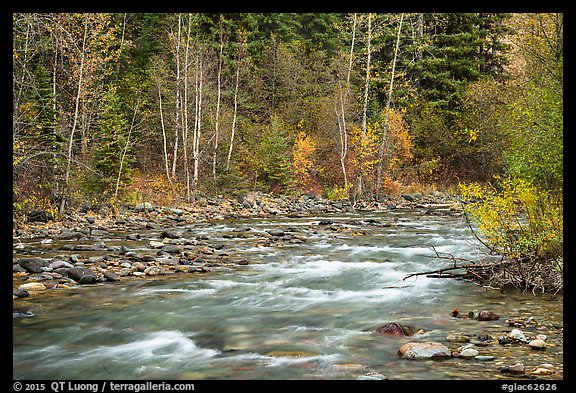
x: 300, y: 309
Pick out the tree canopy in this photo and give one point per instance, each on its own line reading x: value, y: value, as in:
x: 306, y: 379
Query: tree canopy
x: 356, y: 105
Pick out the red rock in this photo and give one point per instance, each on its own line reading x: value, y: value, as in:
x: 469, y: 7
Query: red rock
x: 394, y: 329
x: 486, y: 315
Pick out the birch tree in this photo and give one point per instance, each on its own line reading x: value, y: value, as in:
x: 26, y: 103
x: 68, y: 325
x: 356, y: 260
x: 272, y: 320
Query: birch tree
x: 343, y: 97
x: 384, y: 140
x: 240, y: 55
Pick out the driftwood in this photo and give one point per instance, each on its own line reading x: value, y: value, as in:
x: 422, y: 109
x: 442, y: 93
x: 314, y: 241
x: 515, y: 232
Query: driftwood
x: 523, y: 274
x: 475, y: 271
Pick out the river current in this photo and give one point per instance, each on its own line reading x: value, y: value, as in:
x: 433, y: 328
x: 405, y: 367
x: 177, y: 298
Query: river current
x: 298, y: 310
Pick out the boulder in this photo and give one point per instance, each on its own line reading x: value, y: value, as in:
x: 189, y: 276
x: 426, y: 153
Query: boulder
x: 40, y: 216
x: 109, y: 276
x: 423, y: 350
x: 486, y: 315
x: 32, y: 286
x: 20, y: 293
x: 82, y: 275
x: 393, y: 329
x: 58, y: 264
x: 33, y: 265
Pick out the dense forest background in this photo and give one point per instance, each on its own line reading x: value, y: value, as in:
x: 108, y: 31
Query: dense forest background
x: 132, y: 107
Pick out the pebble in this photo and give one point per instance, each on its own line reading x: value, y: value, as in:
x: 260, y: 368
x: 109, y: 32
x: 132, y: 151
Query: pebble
x: 32, y: 286
x: 517, y: 368
x: 469, y: 353
x: 156, y: 244
x: 457, y: 338
x: 537, y: 344
x: 371, y: 376
x: 516, y: 334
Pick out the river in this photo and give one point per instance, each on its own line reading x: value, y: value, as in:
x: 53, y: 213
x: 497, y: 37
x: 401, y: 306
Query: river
x: 303, y: 308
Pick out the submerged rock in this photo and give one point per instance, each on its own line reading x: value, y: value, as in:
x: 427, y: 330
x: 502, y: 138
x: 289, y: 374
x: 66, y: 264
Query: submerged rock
x: 469, y: 353
x: 425, y: 350
x: 516, y: 369
x: 458, y: 338
x: 486, y: 315
x: 394, y: 329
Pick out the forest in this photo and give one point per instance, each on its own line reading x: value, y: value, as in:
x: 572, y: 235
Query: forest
x: 121, y: 108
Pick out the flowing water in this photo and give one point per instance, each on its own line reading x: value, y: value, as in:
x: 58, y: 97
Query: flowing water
x: 298, y: 310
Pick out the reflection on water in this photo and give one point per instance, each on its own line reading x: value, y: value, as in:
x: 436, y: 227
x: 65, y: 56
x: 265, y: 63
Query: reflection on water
x: 297, y: 311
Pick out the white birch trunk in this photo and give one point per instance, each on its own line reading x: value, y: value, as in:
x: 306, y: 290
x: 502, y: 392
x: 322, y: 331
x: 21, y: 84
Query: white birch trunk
x: 217, y: 123
x: 387, y: 110
x: 234, y: 117
x: 76, y: 111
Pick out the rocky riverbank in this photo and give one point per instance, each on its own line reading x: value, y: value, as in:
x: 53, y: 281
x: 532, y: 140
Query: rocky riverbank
x: 93, y: 246
x: 82, y: 256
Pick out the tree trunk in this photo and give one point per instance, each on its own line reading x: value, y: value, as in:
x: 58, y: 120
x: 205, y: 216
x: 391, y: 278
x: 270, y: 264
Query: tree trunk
x: 177, y: 122
x: 124, y: 153
x: 217, y: 122
x: 76, y: 111
x: 360, y: 183
x: 185, y: 111
x: 387, y: 111
x: 238, y: 64
x: 198, y: 128
x: 164, y: 143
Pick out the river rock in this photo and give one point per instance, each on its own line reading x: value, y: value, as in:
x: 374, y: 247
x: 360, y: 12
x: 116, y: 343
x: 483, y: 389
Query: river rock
x: 423, y: 350
x: 138, y: 267
x: 33, y: 265
x: 40, y: 216
x: 20, y: 293
x: 542, y: 371
x: 517, y: 368
x: 393, y: 329
x: 484, y: 358
x: 82, y: 275
x: 486, y: 315
x: 469, y: 353
x: 276, y: 232
x: 458, y: 338
x: 67, y: 234
x: 146, y: 206
x: 21, y: 312
x: 154, y: 271
x: 109, y: 276
x: 32, y: 286
x: 171, y: 234
x: 58, y: 264
x: 171, y: 249
x: 371, y: 376
x: 537, y: 344
x: 518, y: 335
x: 156, y: 244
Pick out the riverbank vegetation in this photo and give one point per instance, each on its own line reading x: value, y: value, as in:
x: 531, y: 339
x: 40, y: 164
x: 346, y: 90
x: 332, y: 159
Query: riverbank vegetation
x: 127, y: 108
